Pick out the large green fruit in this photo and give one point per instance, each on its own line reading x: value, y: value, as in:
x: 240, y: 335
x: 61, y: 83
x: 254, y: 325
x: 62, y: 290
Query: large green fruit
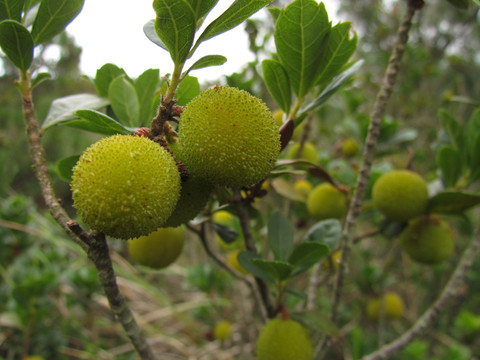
x: 158, y: 249
x: 228, y: 137
x: 390, y: 304
x: 400, y: 195
x: 125, y: 186
x: 428, y: 240
x: 325, y: 201
x: 284, y: 340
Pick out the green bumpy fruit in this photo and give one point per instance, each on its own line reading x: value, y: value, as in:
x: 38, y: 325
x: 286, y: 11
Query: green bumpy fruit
x: 309, y: 152
x: 400, y: 195
x: 391, y: 304
x: 325, y: 201
x: 428, y: 240
x: 125, y: 186
x: 228, y: 137
x: 284, y: 340
x: 158, y: 249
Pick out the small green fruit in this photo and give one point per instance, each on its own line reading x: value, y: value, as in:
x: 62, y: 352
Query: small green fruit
x: 125, y: 186
x: 349, y: 147
x: 325, y: 201
x: 228, y: 137
x: 158, y: 249
x: 222, y: 330
x: 400, y: 195
x: 284, y: 340
x: 392, y: 303
x: 309, y: 152
x: 428, y: 240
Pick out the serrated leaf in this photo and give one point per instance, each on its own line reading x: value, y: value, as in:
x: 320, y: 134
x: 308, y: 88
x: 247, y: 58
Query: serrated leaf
x: 97, y: 122
x: 41, y: 77
x: 317, y: 321
x: 206, y: 61
x: 278, y: 270
x: 124, y: 101
x: 175, y: 25
x: 104, y: 76
x: 226, y: 233
x: 245, y: 258
x: 301, y: 32
x: 239, y: 11
x: 65, y: 167
x: 17, y: 44
x: 340, y: 47
x: 52, y: 18
x: 63, y: 109
x: 278, y: 84
x: 454, y: 130
x: 450, y: 163
x: 452, y: 202
x: 326, y: 231
x: 308, y: 253
x: 280, y: 235
x: 187, y: 90
x: 146, y: 85
x: 151, y: 34
x: 11, y: 9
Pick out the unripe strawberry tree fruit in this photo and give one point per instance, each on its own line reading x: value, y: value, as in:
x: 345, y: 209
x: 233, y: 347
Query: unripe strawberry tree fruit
x: 125, y: 186
x: 390, y: 304
x: 325, y: 201
x: 228, y: 137
x: 309, y: 152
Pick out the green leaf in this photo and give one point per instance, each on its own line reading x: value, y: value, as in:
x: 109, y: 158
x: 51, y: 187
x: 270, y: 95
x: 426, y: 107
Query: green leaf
x: 41, y: 77
x: 301, y: 32
x: 450, y: 163
x: 202, y: 7
x: 332, y: 87
x: 460, y: 4
x: 317, y: 321
x: 151, y: 34
x: 278, y: 270
x: 239, y: 11
x: 97, y: 122
x: 146, y: 86
x: 287, y: 190
x: 475, y: 159
x: 63, y: 109
x: 187, y: 90
x: 454, y: 130
x: 340, y: 47
x: 246, y: 258
x: 65, y: 167
x: 17, y: 44
x: 11, y: 9
x: 226, y: 233
x: 472, y: 132
x: 278, y: 83
x: 175, y: 25
x: 206, y: 61
x: 280, y: 235
x: 104, y: 76
x: 52, y: 18
x: 452, y: 202
x: 29, y: 4
x: 326, y: 231
x: 124, y: 101
x: 307, y: 254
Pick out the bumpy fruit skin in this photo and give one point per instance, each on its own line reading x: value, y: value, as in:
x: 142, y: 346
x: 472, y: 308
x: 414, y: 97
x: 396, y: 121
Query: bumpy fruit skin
x: 228, y: 137
x: 125, y: 186
x: 309, y: 152
x: 284, y: 340
x: 325, y: 201
x: 428, y: 240
x: 222, y: 330
x: 158, y: 249
x: 393, y: 306
x: 400, y: 195
x: 278, y: 116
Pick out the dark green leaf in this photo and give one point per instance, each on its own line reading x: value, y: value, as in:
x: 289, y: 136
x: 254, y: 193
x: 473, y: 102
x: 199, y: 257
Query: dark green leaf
x: 280, y: 235
x: 11, y: 9
x: 124, y: 101
x: 340, y: 48
x: 472, y: 132
x: 279, y: 270
x: 278, y: 84
x: 301, y: 32
x: 206, y: 61
x: 17, y: 43
x: 239, y: 11
x: 317, y: 321
x: 175, y: 25
x: 65, y: 167
x: 326, y: 231
x: 202, y: 7
x: 475, y: 159
x: 226, y: 233
x: 187, y: 90
x: 97, y: 122
x: 452, y: 202
x: 450, y: 163
x: 41, y: 77
x: 104, y: 76
x: 461, y: 4
x: 151, y: 34
x: 52, y: 18
x: 332, y: 88
x: 146, y: 86
x: 63, y: 109
x: 245, y: 258
x: 308, y: 253
x: 454, y: 130
x: 29, y: 4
